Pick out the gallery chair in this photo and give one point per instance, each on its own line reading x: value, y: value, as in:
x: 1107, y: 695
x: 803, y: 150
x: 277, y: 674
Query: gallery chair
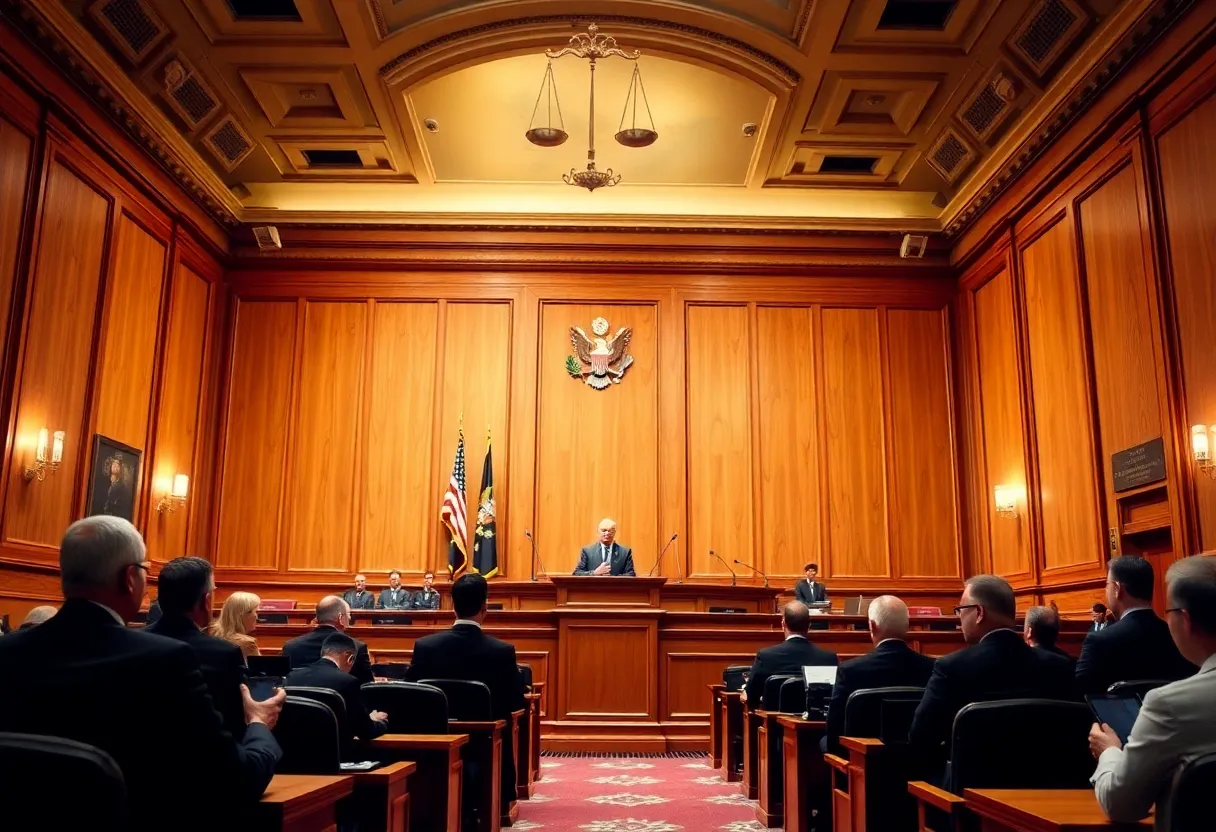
x: 1191, y: 801
x: 467, y: 701
x: 308, y: 733
x: 412, y: 708
x: 1137, y: 686
x: 30, y: 764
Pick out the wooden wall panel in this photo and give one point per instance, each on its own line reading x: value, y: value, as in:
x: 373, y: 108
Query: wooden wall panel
x: 322, y: 469
x: 1001, y: 412
x: 597, y: 450
x: 476, y: 384
x: 719, y: 438
x: 178, y: 419
x: 399, y: 513
x: 855, y: 445
x: 789, y: 440
x: 924, y: 519
x: 1063, y: 422
x: 133, y: 325
x: 58, y: 351
x: 15, y: 148
x: 1188, y: 186
x: 255, y: 447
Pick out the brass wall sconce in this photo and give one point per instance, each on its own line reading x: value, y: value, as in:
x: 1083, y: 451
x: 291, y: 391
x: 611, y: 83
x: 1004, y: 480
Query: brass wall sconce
x: 1005, y: 498
x: 169, y: 503
x: 1201, y: 449
x: 44, y: 460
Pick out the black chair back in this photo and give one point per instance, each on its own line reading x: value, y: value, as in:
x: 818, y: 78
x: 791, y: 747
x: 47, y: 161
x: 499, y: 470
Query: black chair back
x: 1051, y: 752
x: 269, y: 665
x: 525, y: 670
x: 876, y: 713
x: 412, y: 708
x: 467, y: 700
x: 329, y: 698
x: 1137, y: 686
x: 792, y: 697
x: 390, y: 670
x: 771, y: 700
x: 1191, y: 800
x: 732, y: 676
x: 818, y: 695
x: 308, y: 733
x: 30, y: 764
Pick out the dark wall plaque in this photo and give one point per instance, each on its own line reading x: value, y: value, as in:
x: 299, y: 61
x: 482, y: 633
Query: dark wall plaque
x: 1139, y: 465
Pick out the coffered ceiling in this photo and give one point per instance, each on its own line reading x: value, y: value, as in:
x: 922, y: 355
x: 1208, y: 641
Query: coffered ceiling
x: 887, y: 114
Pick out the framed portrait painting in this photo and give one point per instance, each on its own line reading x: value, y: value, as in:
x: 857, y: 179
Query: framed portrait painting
x: 114, y: 478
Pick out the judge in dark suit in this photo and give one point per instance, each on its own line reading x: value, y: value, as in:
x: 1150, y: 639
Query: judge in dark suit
x: 466, y: 652
x: 186, y: 587
x: 790, y: 656
x: 1138, y: 645
x: 1042, y: 628
x: 396, y: 597
x: 426, y: 598
x: 333, y: 615
x: 811, y: 590
x: 359, y: 598
x: 892, y: 663
x: 997, y: 664
x: 606, y: 556
x: 332, y: 671
x: 139, y: 697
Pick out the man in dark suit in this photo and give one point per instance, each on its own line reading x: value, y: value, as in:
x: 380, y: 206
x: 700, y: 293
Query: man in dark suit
x: 186, y: 587
x: 997, y: 664
x: 811, y: 591
x: 466, y: 652
x: 606, y: 556
x: 359, y: 598
x: 333, y: 616
x: 1042, y: 628
x: 892, y: 663
x: 1098, y: 616
x: 396, y: 597
x: 86, y: 676
x: 332, y: 671
x: 1138, y: 645
x: 426, y: 598
x: 790, y: 656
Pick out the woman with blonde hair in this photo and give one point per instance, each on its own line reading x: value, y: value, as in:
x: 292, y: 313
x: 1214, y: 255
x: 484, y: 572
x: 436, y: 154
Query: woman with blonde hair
x: 237, y: 620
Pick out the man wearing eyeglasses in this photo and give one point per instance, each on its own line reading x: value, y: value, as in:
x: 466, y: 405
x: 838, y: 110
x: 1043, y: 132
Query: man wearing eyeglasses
x: 996, y: 664
x: 333, y: 615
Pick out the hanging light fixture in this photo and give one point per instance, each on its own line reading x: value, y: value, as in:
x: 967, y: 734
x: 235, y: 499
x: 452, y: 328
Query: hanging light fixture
x: 592, y: 46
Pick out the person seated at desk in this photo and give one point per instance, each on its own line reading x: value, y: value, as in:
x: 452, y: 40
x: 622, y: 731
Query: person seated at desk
x: 811, y: 591
x: 1042, y: 629
x: 238, y: 618
x: 1176, y: 722
x: 332, y: 671
x: 606, y: 557
x: 1098, y: 615
x: 892, y: 663
x: 333, y: 615
x: 788, y: 657
x: 426, y: 598
x: 396, y: 597
x: 359, y: 598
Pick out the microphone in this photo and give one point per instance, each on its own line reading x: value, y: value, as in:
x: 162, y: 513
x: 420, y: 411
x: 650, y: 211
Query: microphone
x: 733, y: 576
x: 660, y: 558
x: 754, y: 569
x: 535, y: 554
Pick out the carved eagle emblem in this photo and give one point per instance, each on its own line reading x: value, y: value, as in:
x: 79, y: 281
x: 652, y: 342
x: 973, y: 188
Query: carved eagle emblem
x: 600, y: 360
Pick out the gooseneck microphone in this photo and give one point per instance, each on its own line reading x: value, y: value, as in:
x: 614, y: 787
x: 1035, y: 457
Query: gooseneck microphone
x: 535, y: 555
x: 660, y: 558
x: 754, y: 569
x: 733, y: 577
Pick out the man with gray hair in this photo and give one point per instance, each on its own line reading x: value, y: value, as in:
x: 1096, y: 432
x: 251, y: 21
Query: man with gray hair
x: 38, y: 615
x: 333, y: 616
x: 892, y: 663
x: 1176, y: 722
x: 995, y: 665
x: 1041, y: 630
x: 141, y: 698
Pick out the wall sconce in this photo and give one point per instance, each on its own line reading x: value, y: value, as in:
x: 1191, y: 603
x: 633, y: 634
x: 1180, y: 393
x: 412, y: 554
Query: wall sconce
x: 1006, y: 499
x: 1202, y: 450
x: 43, y: 460
x: 176, y: 496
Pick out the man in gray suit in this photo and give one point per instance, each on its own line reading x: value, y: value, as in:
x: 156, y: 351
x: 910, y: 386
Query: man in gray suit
x: 1175, y: 722
x: 606, y: 557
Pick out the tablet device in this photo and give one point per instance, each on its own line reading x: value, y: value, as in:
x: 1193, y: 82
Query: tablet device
x: 262, y: 688
x: 1118, y: 710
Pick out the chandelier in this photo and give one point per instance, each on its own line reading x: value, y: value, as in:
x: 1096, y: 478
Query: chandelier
x: 591, y: 46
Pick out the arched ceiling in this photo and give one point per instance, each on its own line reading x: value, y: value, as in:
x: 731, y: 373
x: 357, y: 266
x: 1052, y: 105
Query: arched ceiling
x: 887, y: 114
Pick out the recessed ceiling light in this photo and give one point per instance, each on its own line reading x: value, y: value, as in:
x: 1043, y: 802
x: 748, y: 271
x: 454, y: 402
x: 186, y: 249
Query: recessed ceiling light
x: 875, y: 100
x: 431, y: 125
x: 749, y: 129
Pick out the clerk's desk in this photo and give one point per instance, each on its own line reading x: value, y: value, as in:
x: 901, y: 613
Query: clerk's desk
x: 621, y: 671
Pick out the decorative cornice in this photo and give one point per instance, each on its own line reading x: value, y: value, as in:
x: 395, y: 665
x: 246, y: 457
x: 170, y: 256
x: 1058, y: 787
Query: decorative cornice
x: 787, y: 73
x: 1120, y: 57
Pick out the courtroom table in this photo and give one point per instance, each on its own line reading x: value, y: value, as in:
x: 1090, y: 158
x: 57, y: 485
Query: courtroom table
x: 804, y: 771
x: 301, y: 803
x: 1043, y: 810
x: 436, y: 787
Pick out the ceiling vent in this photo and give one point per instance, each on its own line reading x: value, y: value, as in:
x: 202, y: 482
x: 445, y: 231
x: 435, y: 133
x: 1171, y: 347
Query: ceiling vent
x: 228, y: 142
x: 187, y: 94
x: 1044, y: 35
x: 131, y: 25
x: 989, y: 107
x: 950, y: 156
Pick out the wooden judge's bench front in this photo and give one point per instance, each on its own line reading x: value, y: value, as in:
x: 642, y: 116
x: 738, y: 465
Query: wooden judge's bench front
x: 621, y: 669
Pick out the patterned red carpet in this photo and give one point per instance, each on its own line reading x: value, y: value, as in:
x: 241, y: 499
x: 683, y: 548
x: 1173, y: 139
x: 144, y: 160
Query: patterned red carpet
x: 634, y: 794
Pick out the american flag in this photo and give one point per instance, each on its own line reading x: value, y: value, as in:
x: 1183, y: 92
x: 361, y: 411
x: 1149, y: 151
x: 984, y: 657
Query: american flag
x: 454, y: 514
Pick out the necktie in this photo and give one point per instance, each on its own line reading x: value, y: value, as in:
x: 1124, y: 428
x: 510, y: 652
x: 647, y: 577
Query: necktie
x: 603, y: 553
